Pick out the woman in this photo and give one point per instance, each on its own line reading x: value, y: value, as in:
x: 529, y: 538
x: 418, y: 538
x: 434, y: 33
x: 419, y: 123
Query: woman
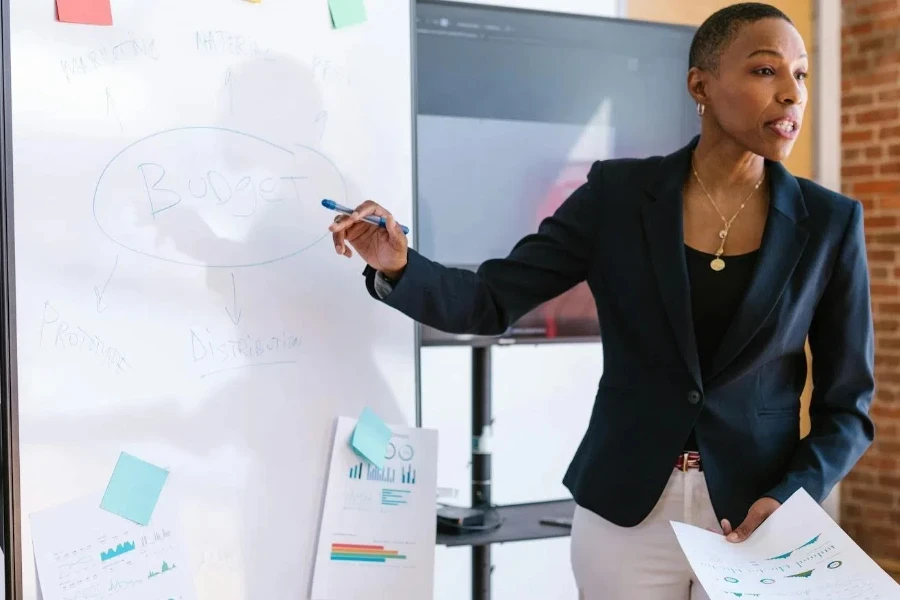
x: 710, y: 268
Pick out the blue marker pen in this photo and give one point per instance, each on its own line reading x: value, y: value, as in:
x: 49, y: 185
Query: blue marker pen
x: 380, y: 221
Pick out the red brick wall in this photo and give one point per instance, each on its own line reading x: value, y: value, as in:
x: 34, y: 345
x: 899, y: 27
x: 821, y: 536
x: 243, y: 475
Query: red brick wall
x: 870, y: 171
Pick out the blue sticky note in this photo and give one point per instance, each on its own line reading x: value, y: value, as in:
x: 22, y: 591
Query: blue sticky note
x: 371, y: 437
x: 346, y: 12
x: 134, y: 489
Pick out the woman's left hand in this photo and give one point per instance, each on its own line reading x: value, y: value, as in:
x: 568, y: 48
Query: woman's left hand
x: 758, y: 513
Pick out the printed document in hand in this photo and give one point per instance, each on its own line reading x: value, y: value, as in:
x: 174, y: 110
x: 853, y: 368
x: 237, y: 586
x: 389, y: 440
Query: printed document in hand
x: 378, y: 528
x: 82, y: 551
x: 799, y: 552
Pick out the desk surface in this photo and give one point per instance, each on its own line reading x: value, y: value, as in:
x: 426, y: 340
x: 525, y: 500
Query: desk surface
x: 520, y: 522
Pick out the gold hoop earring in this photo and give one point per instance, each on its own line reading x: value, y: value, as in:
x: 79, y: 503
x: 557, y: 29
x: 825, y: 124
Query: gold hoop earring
x: 700, y: 109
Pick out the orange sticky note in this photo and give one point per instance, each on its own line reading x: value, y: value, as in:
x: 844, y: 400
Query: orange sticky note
x: 85, y: 12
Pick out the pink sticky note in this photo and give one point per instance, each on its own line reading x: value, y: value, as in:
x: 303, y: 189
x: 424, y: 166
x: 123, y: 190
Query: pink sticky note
x: 85, y: 12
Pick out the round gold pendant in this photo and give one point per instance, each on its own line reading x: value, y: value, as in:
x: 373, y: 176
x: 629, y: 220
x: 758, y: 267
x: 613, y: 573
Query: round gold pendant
x: 717, y: 264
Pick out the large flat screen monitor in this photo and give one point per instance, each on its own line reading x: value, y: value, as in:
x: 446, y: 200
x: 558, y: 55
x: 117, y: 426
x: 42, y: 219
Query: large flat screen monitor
x: 513, y: 106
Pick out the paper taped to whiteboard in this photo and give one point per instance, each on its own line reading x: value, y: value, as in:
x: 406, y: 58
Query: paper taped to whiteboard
x: 83, y: 551
x: 378, y: 523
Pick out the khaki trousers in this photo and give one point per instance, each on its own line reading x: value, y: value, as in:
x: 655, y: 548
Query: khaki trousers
x: 643, y: 562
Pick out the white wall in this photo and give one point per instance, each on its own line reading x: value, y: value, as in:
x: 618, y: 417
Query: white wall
x: 827, y: 94
x: 827, y: 145
x: 542, y: 399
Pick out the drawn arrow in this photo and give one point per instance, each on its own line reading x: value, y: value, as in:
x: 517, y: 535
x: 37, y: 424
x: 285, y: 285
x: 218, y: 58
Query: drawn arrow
x: 236, y: 314
x: 229, y: 84
x: 322, y: 118
x: 98, y: 293
x: 111, y: 109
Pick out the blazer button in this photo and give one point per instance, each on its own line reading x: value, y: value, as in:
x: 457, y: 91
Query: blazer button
x: 693, y: 397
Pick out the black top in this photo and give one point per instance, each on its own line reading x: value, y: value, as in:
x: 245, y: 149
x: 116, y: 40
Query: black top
x: 715, y: 296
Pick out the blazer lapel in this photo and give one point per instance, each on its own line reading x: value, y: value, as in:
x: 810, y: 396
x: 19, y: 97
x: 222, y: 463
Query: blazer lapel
x: 663, y: 224
x: 782, y: 246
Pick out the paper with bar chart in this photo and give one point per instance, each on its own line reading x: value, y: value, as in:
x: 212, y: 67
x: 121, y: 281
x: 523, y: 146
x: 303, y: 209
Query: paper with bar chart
x: 83, y: 552
x: 377, y: 533
x: 799, y: 552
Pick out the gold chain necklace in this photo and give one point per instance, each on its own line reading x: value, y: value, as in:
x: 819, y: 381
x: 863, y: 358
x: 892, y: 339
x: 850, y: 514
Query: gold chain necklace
x: 717, y: 264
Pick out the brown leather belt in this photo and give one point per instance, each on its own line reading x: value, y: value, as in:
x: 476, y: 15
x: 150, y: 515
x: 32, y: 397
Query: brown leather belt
x: 688, y: 460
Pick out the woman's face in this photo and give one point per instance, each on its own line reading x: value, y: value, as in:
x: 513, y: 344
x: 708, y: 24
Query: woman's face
x: 759, y: 94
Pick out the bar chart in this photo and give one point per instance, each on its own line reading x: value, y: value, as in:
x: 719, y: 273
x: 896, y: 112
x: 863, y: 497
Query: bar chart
x: 408, y: 475
x: 385, y: 475
x: 364, y: 553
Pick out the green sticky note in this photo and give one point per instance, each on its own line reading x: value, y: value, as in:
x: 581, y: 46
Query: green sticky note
x: 134, y: 489
x: 347, y: 12
x: 370, y: 438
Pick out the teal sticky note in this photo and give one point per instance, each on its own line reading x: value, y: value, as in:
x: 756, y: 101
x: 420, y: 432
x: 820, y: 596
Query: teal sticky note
x: 371, y: 437
x: 345, y: 13
x: 134, y: 489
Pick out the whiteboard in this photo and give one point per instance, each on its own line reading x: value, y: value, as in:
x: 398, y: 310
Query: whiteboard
x: 177, y: 294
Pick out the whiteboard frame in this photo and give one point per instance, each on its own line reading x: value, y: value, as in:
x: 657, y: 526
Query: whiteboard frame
x: 9, y: 399
x: 414, y: 106
x: 10, y: 528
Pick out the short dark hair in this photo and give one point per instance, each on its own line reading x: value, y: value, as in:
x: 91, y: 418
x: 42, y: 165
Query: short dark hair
x: 717, y: 31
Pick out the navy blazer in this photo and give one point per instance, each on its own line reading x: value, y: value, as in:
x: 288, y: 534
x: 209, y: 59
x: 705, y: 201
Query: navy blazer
x: 622, y: 231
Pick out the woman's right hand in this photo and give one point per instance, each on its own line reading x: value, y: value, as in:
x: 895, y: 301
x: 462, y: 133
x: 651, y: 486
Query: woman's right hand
x: 383, y: 248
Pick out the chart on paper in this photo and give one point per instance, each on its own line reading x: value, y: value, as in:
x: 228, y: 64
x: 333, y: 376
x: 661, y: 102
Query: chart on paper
x: 85, y: 553
x: 383, y: 494
x: 816, y: 565
x: 378, y: 522
x: 799, y: 552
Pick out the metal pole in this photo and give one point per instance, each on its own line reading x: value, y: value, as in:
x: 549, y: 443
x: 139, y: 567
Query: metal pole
x: 481, y: 464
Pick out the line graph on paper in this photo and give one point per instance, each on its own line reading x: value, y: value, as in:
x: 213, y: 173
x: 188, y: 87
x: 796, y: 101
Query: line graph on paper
x: 801, y: 562
x: 798, y: 553
x: 85, y: 553
x: 816, y: 569
x: 70, y: 566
